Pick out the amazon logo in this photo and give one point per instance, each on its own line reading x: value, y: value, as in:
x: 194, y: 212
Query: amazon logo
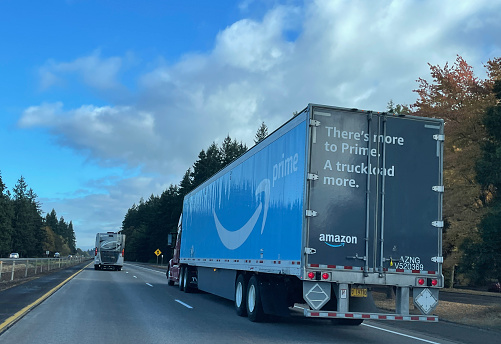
x: 234, y: 238
x: 338, y: 240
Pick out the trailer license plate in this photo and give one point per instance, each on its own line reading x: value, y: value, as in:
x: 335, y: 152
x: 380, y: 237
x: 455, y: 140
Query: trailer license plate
x: 358, y: 292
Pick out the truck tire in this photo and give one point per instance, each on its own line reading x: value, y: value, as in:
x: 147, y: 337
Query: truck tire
x: 96, y: 267
x: 170, y: 282
x: 186, y: 280
x: 181, y: 278
x: 241, y: 296
x: 254, y: 305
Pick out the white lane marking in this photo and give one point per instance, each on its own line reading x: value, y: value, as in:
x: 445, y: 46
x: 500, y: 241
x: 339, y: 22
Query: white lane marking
x: 400, y: 334
x: 184, y: 304
x: 126, y: 272
x: 135, y: 276
x: 149, y: 284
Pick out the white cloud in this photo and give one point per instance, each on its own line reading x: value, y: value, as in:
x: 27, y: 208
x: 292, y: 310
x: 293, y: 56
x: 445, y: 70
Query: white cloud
x: 109, y: 135
x: 94, y: 71
x: 256, y: 46
x: 352, y: 54
x: 356, y: 54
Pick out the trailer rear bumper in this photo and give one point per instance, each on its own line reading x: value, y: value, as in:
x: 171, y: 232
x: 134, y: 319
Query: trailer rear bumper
x: 369, y: 316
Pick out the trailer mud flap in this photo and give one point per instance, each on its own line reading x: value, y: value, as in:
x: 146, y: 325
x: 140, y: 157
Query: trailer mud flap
x: 316, y: 294
x: 274, y: 299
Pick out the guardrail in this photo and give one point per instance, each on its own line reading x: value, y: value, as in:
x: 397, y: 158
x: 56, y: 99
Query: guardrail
x: 12, y: 269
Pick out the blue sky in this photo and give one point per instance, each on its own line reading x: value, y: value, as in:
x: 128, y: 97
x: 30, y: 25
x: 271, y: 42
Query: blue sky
x: 105, y: 102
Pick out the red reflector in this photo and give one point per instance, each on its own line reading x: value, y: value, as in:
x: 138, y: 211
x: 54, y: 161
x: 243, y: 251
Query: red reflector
x: 434, y: 282
x: 325, y: 275
x: 420, y: 281
x: 311, y: 275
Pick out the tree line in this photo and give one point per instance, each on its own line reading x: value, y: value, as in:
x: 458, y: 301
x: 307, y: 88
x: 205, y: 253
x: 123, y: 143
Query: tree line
x: 471, y: 109
x: 24, y: 230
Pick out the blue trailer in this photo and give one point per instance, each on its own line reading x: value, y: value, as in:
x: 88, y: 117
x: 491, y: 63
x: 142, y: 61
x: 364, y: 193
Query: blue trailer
x: 332, y: 204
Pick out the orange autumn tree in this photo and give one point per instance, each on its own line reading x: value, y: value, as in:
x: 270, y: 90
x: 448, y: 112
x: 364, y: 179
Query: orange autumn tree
x: 460, y: 98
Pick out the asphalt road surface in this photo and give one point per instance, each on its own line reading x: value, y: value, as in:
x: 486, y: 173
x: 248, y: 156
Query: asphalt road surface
x: 136, y: 305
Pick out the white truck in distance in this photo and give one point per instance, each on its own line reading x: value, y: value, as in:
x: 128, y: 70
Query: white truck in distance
x: 331, y: 205
x: 109, y: 251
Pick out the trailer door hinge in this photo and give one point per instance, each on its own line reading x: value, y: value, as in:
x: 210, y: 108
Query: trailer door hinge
x: 314, y: 123
x: 437, y: 259
x: 309, y: 250
x: 311, y: 213
x: 438, y: 188
x: 440, y: 137
x: 312, y: 176
x: 438, y: 224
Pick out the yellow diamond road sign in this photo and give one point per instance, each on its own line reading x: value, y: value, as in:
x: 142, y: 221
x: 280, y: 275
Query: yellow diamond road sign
x: 158, y: 252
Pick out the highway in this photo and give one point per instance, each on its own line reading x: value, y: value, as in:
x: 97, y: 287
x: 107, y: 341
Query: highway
x: 136, y: 305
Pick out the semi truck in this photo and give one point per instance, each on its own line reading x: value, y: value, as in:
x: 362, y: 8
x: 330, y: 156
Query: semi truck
x: 109, y: 251
x: 335, y: 204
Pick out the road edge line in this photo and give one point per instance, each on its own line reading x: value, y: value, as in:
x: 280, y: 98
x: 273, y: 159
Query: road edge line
x: 19, y: 314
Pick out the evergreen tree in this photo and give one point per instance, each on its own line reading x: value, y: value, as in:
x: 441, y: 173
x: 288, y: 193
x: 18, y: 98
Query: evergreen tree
x: 207, y: 164
x: 71, y: 238
x: 397, y: 109
x: 261, y: 133
x: 186, y: 184
x: 51, y: 221
x: 6, y: 216
x: 230, y: 150
x: 27, y: 223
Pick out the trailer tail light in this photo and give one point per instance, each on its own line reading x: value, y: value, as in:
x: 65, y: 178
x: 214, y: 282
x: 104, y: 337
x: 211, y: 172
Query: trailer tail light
x: 311, y: 275
x: 421, y: 281
x: 325, y: 276
x: 434, y: 282
x: 95, y: 252
x: 123, y: 250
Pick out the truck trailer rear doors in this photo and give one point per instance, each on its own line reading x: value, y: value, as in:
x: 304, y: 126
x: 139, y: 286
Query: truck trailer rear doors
x: 376, y: 205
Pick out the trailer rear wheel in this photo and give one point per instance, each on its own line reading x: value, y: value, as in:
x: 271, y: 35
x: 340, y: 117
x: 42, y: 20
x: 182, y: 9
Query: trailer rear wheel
x: 254, y: 305
x: 241, y: 296
x: 181, y: 278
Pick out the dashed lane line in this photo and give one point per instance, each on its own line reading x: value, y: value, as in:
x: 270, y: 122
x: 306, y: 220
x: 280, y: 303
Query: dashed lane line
x: 184, y: 304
